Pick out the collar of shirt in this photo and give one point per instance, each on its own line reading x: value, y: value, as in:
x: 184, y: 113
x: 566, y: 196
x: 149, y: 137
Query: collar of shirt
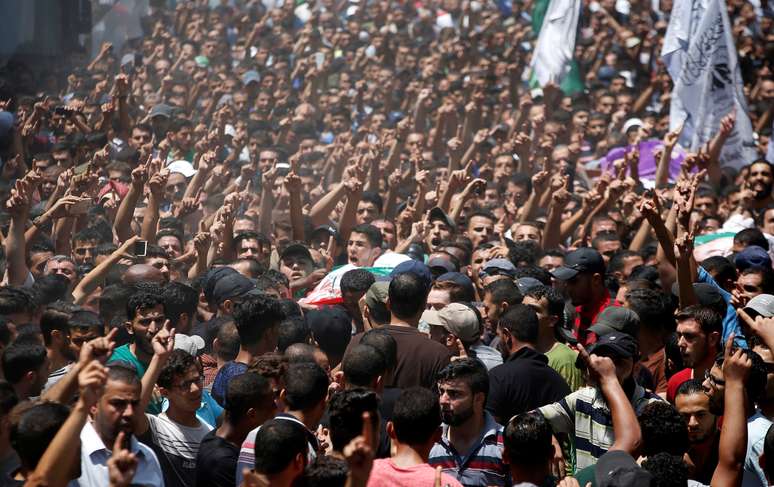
x: 592, y: 310
x: 490, y: 430
x: 599, y: 398
x: 92, y: 443
x: 527, y: 353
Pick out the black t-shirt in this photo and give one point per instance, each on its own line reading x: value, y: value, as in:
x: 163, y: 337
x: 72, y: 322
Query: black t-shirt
x: 216, y: 462
x: 523, y: 383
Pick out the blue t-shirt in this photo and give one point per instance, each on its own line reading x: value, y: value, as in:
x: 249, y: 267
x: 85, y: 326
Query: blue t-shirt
x: 209, y: 411
x: 730, y: 320
x: 219, y: 386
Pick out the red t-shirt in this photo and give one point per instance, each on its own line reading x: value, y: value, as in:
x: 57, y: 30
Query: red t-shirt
x: 585, y: 316
x: 675, y: 381
x: 386, y: 474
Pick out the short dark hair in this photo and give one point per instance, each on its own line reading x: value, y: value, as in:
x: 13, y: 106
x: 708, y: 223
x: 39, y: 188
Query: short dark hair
x: 228, y: 341
x: 522, y: 322
x: 471, y: 371
x: 417, y: 416
x: 177, y: 365
x: 362, y: 365
x: 720, y: 267
x: 306, y: 385
x: 292, y: 330
x: 709, y: 319
x: 143, y: 300
x: 122, y: 371
x: 153, y: 250
x: 244, y: 392
x: 663, y: 429
x: 751, y: 236
x: 667, y: 470
x: 326, y: 471
x: 346, y: 410
x: 16, y: 300
x: 554, y: 298
x: 407, y: 295
x: 21, y: 357
x: 255, y: 315
x: 88, y: 234
x: 373, y: 197
x: 50, y: 288
x: 357, y: 280
x: 691, y: 386
x: 651, y: 307
x: 756, y: 380
x: 277, y: 443
x: 373, y: 234
x: 35, y: 429
x: 527, y: 440
x: 300, y: 353
x: 384, y: 343
x: 179, y: 298
x: 504, y: 291
x: 52, y: 320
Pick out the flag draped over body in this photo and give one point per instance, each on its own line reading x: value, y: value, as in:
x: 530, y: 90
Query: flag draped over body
x: 700, y: 56
x: 553, y: 59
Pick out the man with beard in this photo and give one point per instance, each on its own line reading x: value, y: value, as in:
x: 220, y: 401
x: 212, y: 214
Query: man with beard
x: 114, y: 413
x: 703, y: 433
x: 145, y: 311
x: 759, y: 181
x: 698, y: 337
x: 757, y: 424
x: 471, y: 444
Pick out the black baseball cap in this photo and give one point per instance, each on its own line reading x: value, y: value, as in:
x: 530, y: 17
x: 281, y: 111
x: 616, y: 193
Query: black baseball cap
x: 297, y: 249
x: 615, y: 345
x: 616, y: 319
x: 618, y: 469
x: 585, y: 259
x: 232, y: 286
x: 438, y: 214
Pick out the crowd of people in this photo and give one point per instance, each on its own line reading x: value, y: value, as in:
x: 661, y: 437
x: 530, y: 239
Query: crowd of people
x: 353, y: 243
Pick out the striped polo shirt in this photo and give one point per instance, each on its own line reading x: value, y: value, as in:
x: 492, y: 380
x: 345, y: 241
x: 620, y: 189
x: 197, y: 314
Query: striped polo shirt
x: 482, y: 466
x: 585, y: 417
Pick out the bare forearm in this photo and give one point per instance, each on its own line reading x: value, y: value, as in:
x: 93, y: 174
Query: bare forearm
x: 15, y: 249
x: 151, y: 219
x: 732, y: 449
x: 296, y: 216
x: 552, y: 234
x: 123, y: 223
x: 320, y: 212
x: 626, y: 428
x: 56, y: 463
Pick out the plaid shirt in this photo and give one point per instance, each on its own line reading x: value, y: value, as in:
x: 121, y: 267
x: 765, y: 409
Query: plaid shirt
x: 483, y: 466
x: 584, y: 416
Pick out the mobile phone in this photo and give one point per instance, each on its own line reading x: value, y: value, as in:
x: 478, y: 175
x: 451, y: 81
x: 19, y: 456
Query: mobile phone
x: 61, y: 110
x: 140, y: 248
x: 479, y: 188
x: 81, y: 206
x: 283, y: 168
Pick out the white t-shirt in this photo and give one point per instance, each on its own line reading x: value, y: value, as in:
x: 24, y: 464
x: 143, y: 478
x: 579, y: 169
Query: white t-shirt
x: 176, y: 446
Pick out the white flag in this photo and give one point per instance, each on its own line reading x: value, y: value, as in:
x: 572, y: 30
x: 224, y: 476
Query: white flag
x: 708, y: 82
x: 770, y: 151
x: 555, y: 47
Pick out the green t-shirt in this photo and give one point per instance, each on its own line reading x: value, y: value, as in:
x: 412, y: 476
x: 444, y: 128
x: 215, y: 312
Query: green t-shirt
x: 123, y: 353
x: 562, y: 358
x: 586, y: 476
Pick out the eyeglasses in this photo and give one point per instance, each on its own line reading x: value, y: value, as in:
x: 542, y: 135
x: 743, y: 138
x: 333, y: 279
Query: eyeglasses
x: 713, y: 380
x: 186, y: 385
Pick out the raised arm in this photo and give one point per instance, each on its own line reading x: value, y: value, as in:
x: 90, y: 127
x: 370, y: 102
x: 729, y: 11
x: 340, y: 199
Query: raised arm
x: 92, y: 280
x: 123, y: 222
x: 163, y: 343
x: 18, y: 205
x: 626, y: 428
x: 732, y: 449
